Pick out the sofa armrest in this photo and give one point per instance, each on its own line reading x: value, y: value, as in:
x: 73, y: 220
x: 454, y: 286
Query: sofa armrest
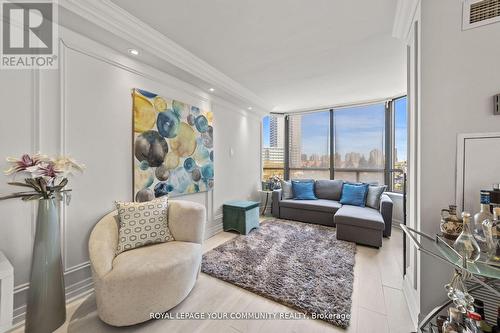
x: 275, y: 208
x: 103, y: 243
x: 386, y: 211
x: 186, y: 221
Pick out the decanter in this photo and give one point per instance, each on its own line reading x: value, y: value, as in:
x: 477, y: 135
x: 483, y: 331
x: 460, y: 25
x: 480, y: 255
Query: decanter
x: 454, y: 322
x: 465, y: 244
x: 484, y: 214
x: 491, y: 229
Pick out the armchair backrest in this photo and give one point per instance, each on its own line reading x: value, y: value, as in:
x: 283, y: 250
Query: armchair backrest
x: 103, y: 243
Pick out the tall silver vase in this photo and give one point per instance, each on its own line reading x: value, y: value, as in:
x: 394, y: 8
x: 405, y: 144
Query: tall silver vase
x: 46, y: 308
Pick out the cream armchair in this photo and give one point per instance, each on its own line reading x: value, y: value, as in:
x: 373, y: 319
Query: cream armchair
x: 148, y: 279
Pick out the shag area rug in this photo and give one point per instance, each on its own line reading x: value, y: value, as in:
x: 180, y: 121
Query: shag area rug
x: 300, y: 265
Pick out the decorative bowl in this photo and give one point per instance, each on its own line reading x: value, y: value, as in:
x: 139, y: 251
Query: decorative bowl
x: 451, y: 230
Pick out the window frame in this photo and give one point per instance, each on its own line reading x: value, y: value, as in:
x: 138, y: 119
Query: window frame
x: 389, y: 145
x: 392, y: 161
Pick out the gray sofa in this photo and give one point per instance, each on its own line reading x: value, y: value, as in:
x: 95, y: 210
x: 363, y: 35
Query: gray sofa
x: 363, y: 225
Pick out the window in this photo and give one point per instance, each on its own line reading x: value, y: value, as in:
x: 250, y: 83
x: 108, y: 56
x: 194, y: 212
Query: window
x: 309, y: 145
x: 273, y: 147
x: 359, y: 136
x: 358, y: 144
x: 399, y: 155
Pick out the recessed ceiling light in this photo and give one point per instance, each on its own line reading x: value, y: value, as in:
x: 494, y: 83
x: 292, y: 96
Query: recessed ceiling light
x: 133, y: 52
x: 249, y: 108
x: 212, y: 89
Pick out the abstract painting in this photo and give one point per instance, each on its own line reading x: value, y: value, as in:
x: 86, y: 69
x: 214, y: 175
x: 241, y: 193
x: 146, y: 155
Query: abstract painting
x: 173, y: 147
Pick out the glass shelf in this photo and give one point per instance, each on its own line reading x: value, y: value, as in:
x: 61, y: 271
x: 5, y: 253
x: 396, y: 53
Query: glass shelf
x: 442, y: 248
x: 482, y: 273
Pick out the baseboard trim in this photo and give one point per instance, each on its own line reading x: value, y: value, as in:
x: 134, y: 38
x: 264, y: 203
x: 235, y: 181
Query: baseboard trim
x: 214, y: 227
x: 397, y: 224
x: 76, y: 290
x: 410, y: 296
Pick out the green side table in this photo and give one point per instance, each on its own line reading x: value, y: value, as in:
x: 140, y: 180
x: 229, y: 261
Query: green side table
x: 241, y: 216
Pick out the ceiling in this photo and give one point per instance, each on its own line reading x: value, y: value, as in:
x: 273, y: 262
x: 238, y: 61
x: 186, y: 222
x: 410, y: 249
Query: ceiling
x: 294, y: 54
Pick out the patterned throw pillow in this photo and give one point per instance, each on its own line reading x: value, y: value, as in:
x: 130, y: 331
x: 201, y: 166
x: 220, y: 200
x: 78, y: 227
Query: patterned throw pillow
x: 142, y: 223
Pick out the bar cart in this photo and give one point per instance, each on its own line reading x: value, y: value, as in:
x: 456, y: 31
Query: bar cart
x: 480, y: 275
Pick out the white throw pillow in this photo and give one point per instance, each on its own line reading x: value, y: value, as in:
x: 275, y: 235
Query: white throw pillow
x: 374, y: 194
x: 142, y: 223
x: 286, y: 187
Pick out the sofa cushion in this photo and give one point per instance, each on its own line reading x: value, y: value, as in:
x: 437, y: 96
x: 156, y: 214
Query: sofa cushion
x: 374, y: 194
x: 354, y: 194
x: 286, y: 186
x: 156, y: 259
x: 328, y: 189
x: 303, y: 190
x: 363, y: 217
x: 322, y: 205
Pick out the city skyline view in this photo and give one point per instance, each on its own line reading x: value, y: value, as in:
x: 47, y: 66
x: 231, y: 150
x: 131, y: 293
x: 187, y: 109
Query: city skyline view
x: 357, y: 128
x: 359, y: 144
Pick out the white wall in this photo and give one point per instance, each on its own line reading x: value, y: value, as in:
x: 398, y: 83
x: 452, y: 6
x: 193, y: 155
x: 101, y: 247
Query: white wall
x: 84, y: 110
x: 460, y: 74
x: 397, y: 208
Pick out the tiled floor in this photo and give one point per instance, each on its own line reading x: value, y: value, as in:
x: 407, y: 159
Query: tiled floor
x: 378, y: 302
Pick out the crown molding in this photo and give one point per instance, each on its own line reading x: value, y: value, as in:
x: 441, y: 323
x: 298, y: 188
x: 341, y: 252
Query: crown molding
x: 114, y: 19
x: 405, y: 14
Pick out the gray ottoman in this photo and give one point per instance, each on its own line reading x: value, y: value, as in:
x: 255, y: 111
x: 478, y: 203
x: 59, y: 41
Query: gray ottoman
x: 362, y: 225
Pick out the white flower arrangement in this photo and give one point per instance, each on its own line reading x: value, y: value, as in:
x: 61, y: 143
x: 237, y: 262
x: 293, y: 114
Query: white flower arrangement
x: 47, y: 176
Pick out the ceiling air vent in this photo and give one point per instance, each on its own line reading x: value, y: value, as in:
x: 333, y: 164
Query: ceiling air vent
x: 480, y: 12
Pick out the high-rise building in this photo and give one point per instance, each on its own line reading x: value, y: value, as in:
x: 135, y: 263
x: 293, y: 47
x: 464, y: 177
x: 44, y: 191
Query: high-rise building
x: 352, y: 160
x: 295, y: 135
x: 376, y: 158
x: 276, y: 131
x: 273, y: 155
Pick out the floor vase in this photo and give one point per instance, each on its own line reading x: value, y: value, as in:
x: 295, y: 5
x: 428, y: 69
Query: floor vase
x: 46, y: 307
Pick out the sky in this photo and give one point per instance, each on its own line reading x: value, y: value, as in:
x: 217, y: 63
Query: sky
x: 401, y: 128
x: 358, y: 129
x: 265, y: 132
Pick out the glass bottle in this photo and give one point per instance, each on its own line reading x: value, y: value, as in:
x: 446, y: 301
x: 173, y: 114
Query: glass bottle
x: 491, y: 229
x: 454, y: 322
x: 465, y: 244
x: 479, y: 309
x: 484, y: 214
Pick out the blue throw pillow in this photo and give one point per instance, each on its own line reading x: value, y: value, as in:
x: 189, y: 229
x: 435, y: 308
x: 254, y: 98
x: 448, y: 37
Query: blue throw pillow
x: 354, y: 194
x: 303, y: 190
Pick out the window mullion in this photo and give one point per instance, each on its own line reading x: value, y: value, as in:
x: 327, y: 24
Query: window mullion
x: 388, y: 144
x: 286, y: 172
x: 332, y: 149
